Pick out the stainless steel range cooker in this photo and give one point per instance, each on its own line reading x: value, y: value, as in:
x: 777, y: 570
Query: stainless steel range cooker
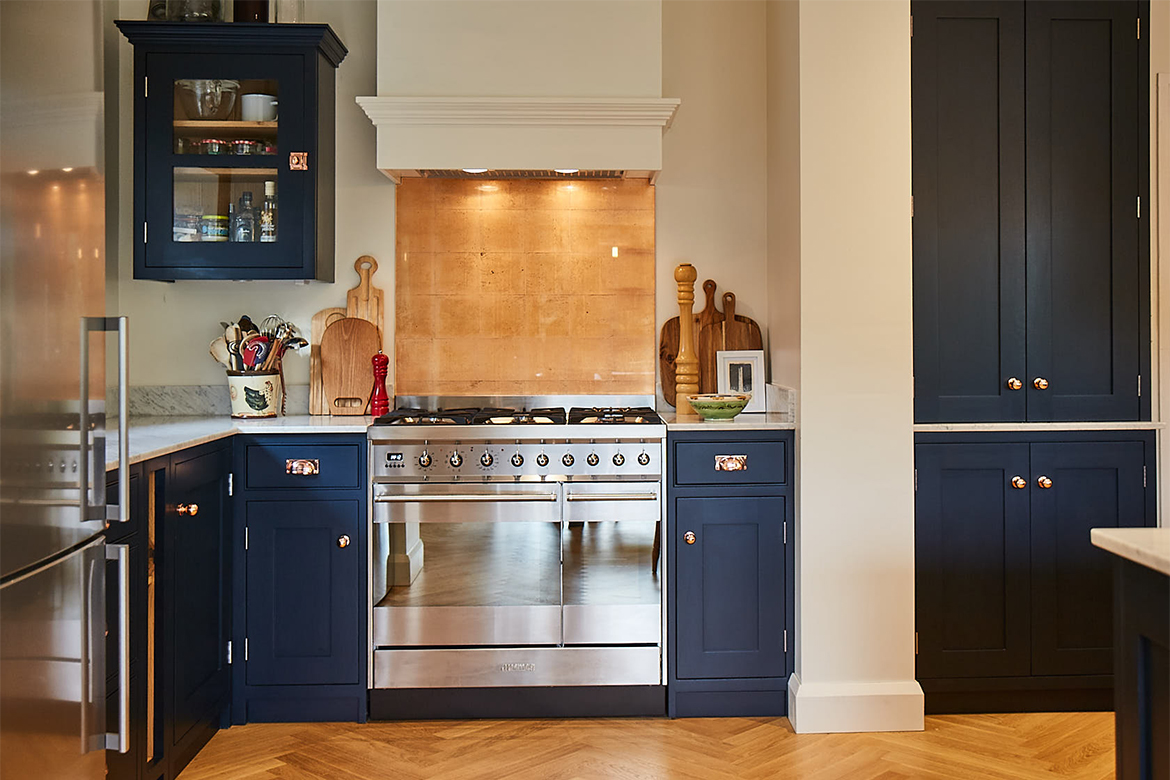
x: 516, y: 543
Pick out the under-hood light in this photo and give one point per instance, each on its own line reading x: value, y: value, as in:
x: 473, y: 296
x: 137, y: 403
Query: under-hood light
x: 475, y: 170
x: 566, y: 171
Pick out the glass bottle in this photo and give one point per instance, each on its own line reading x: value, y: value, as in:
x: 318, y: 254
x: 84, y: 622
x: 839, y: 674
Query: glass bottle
x: 268, y: 213
x: 244, y: 224
x: 250, y: 11
x: 195, y: 10
x: 288, y: 11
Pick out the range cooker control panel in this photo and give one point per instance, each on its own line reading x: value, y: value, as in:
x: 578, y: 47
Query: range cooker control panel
x: 479, y: 459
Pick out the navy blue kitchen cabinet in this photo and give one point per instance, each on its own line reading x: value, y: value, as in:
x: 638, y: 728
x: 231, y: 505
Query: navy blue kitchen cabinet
x: 301, y: 591
x: 1031, y: 256
x: 193, y: 568
x: 1014, y: 604
x: 196, y: 157
x: 729, y: 572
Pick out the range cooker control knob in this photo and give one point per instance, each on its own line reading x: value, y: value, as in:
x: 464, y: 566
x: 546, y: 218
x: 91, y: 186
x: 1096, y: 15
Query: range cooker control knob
x: 567, y: 460
x: 486, y: 459
x: 456, y: 460
x: 643, y: 459
x: 518, y: 460
x: 424, y: 460
x: 542, y: 460
x: 619, y: 459
x: 592, y: 459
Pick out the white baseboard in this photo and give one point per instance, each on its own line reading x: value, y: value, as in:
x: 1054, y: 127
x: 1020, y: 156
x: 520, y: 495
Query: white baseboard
x: 821, y: 708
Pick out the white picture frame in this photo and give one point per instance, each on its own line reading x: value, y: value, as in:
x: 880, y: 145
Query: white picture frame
x: 742, y: 371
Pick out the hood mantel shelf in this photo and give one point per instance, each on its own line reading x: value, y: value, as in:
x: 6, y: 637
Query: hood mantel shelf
x: 519, y: 133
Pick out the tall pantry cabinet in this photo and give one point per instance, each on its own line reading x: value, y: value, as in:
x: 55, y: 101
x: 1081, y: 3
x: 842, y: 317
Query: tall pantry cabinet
x: 1031, y: 305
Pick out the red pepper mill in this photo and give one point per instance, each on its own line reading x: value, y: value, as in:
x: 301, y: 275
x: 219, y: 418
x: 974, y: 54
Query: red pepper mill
x: 379, y: 400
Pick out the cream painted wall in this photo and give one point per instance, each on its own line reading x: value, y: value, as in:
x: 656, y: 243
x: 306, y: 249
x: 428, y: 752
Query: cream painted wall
x: 712, y: 192
x: 520, y: 48
x: 783, y: 264
x: 855, y: 533
x: 172, y: 324
x: 1160, y: 230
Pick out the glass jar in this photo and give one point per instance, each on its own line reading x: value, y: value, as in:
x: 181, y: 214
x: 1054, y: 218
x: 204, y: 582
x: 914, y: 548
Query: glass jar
x: 288, y: 11
x: 214, y: 146
x: 215, y: 228
x: 195, y: 10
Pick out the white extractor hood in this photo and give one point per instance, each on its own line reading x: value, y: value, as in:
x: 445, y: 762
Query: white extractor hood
x: 520, y: 87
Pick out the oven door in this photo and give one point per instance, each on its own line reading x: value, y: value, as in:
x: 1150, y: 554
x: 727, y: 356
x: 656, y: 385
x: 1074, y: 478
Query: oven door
x: 487, y: 569
x: 612, y: 593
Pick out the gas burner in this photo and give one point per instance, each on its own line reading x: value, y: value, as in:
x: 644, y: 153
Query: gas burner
x: 546, y: 416
x: 427, y: 417
x: 642, y: 415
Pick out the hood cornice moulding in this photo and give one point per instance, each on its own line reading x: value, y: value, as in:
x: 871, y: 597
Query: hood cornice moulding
x: 515, y: 111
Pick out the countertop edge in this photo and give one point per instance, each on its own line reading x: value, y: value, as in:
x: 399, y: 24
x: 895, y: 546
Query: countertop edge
x: 1149, y: 547
x: 770, y: 421
x: 968, y: 427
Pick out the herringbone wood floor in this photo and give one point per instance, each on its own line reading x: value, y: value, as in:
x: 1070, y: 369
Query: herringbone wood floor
x: 1030, y: 745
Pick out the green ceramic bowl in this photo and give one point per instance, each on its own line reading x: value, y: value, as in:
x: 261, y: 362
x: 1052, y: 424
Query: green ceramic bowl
x: 719, y: 406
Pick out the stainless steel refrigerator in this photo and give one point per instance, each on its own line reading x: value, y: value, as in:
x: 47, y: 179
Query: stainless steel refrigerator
x: 55, y: 684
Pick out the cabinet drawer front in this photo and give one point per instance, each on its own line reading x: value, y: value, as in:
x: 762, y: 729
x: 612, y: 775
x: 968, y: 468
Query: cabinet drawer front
x: 290, y: 466
x: 731, y: 463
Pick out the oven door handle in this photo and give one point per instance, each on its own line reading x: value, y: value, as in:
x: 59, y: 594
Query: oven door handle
x: 611, y: 496
x: 492, y: 498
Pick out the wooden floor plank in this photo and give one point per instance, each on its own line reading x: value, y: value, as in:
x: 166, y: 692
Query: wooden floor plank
x: 1017, y: 746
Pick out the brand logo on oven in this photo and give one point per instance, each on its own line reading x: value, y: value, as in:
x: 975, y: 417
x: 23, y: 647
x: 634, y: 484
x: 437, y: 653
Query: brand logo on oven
x: 517, y: 667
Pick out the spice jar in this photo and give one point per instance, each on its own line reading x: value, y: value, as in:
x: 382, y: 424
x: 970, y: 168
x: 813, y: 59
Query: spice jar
x: 244, y: 146
x: 214, y: 146
x: 214, y: 227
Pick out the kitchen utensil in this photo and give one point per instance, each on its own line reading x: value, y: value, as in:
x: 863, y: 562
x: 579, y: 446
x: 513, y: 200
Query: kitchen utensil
x: 668, y: 344
x: 321, y: 320
x: 346, y: 372
x: 208, y: 98
x: 246, y: 325
x: 739, y: 332
x: 365, y: 300
x: 219, y: 351
x: 716, y: 406
x: 254, y: 350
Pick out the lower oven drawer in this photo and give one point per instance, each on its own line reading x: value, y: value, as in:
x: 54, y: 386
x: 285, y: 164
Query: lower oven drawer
x: 506, y: 667
x: 594, y: 502
x: 476, y: 625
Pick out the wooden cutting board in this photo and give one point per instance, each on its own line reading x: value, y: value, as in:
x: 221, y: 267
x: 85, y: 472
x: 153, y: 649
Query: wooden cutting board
x: 363, y: 302
x: 739, y: 332
x: 668, y: 343
x: 347, y: 376
x: 735, y: 332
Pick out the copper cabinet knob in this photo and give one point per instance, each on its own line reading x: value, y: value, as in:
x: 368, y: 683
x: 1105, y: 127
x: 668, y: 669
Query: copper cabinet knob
x: 1019, y: 483
x: 1044, y: 482
x: 1014, y: 384
x: 188, y: 509
x: 343, y: 540
x: 689, y: 537
x: 1040, y: 383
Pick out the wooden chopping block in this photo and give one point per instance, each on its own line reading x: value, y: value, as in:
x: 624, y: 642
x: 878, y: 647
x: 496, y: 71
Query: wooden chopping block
x: 321, y: 320
x: 739, y: 332
x: 668, y: 343
x: 365, y: 300
x: 347, y: 376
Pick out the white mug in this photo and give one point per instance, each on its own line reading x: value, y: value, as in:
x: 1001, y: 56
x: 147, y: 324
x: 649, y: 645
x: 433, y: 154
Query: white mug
x: 258, y: 107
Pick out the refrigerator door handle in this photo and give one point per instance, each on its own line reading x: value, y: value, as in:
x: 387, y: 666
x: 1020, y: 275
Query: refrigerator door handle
x: 95, y: 507
x: 93, y: 657
x: 120, y: 740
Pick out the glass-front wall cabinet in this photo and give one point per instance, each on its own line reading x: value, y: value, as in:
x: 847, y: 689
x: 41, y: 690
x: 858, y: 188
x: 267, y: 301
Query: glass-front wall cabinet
x: 234, y: 148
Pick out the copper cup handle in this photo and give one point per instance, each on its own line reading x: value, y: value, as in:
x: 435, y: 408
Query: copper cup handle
x: 302, y: 467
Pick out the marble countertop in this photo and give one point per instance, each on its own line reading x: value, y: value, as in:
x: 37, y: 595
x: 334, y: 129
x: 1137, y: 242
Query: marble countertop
x: 152, y: 437
x: 741, y: 422
x: 1148, y: 546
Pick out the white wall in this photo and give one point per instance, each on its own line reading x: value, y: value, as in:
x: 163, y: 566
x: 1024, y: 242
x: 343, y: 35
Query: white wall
x: 855, y: 534
x: 712, y: 192
x: 172, y: 324
x: 520, y: 48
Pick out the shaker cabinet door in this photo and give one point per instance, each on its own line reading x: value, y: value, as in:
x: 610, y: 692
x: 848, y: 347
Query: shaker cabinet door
x: 971, y: 560
x: 968, y: 169
x: 730, y: 602
x: 305, y: 591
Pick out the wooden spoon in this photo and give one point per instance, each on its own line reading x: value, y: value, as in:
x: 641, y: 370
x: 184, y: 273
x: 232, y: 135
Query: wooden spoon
x: 219, y: 351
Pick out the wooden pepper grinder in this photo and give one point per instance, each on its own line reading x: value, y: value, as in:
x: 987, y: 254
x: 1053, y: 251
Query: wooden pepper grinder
x: 379, y: 399
x: 686, y: 365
